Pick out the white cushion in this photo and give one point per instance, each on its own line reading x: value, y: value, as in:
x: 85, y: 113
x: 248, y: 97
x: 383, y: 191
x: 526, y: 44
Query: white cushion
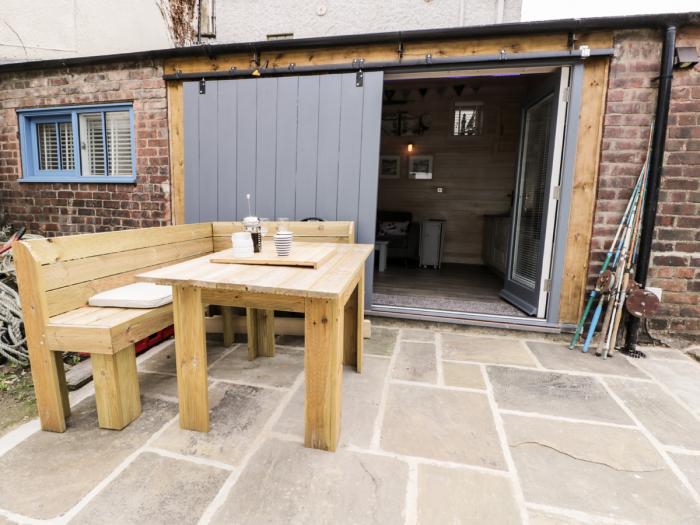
x: 137, y: 295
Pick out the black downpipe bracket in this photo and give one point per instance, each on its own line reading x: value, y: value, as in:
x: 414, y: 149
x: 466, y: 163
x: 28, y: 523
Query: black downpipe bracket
x: 651, y: 199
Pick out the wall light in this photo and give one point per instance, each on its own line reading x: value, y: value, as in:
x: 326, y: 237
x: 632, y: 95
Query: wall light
x: 409, y: 148
x: 686, y: 57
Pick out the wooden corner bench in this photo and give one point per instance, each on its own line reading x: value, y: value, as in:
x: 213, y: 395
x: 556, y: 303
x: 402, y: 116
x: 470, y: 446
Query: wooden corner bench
x: 57, y: 276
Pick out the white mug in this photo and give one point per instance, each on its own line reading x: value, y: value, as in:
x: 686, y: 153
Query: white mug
x: 242, y: 244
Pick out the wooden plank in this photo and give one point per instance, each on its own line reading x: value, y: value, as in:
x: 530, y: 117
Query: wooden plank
x: 207, y: 172
x: 323, y: 370
x: 261, y: 332
x: 307, y: 146
x: 283, y: 325
x: 311, y: 256
x: 330, y: 280
x: 190, y: 91
x: 286, y: 154
x: 341, y: 229
x: 575, y: 275
x: 105, y: 330
x: 47, y: 371
x: 266, y: 146
x: 69, y: 298
x: 350, y: 149
x: 227, y: 150
x: 228, y: 330
x: 246, y: 126
x: 176, y: 137
x: 75, y: 271
x: 328, y: 147
x: 513, y: 43
x: 284, y: 303
x: 117, y: 392
x: 362, y: 330
x: 71, y: 247
x: 191, y: 357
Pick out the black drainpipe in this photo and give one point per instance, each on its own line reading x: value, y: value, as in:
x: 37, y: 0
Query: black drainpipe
x: 651, y: 199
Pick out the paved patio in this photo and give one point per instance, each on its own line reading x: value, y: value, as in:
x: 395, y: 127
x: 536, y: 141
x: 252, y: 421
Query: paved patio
x: 452, y: 426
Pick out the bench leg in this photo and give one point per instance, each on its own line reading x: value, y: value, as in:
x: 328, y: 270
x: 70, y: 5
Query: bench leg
x: 49, y: 379
x: 323, y: 369
x: 227, y: 315
x: 116, y: 388
x: 354, y: 315
x: 261, y: 332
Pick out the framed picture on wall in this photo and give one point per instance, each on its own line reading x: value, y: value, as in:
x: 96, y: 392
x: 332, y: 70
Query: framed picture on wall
x: 420, y: 167
x: 389, y: 167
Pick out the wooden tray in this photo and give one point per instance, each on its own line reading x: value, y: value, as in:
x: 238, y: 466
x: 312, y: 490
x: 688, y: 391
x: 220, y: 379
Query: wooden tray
x: 310, y: 256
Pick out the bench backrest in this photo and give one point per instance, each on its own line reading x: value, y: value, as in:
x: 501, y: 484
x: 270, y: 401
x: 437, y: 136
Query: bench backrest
x: 331, y: 231
x: 73, y: 268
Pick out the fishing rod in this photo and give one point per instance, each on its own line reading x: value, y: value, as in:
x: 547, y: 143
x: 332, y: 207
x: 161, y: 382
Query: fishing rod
x: 609, y: 347
x: 613, y: 247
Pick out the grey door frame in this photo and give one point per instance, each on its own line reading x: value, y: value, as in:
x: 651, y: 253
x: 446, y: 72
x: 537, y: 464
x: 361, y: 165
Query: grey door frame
x: 551, y: 319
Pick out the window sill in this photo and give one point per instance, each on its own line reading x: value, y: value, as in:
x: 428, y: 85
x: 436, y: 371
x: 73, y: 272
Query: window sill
x: 79, y: 180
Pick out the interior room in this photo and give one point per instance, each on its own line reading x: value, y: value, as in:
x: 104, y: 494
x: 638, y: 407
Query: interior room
x: 448, y: 172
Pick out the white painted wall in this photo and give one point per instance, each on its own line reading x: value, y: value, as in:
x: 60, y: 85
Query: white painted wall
x: 253, y: 20
x: 548, y: 10
x: 36, y: 29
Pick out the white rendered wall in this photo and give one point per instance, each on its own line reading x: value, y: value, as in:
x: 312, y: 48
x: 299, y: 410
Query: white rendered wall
x: 36, y: 29
x: 253, y: 20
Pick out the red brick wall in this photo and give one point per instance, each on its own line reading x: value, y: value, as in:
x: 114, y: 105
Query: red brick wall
x: 58, y: 209
x: 632, y: 89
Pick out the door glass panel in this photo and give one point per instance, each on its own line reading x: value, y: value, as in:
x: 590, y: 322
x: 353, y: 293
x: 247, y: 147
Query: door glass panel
x: 531, y: 199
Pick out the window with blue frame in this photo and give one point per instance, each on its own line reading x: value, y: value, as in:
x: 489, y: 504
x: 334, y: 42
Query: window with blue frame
x: 78, y: 144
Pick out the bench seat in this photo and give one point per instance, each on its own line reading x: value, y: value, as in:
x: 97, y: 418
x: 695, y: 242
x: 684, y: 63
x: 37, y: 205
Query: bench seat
x: 104, y: 330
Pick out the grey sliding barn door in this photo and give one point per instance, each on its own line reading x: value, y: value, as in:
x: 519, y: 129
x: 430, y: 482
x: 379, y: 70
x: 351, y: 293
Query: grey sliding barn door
x: 301, y: 146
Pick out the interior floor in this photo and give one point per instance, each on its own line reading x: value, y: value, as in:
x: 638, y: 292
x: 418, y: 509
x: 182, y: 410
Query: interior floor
x: 454, y: 287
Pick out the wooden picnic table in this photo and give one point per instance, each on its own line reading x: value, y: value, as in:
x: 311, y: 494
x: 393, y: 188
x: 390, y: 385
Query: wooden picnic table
x: 330, y: 296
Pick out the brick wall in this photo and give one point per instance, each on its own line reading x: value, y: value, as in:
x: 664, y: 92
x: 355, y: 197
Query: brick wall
x: 632, y: 89
x: 58, y: 209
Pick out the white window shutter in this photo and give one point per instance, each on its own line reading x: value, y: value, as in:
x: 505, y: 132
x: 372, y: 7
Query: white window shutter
x: 119, y: 143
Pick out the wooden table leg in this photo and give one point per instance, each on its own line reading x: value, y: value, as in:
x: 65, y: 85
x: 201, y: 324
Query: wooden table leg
x: 354, y: 315
x: 227, y: 316
x: 261, y: 332
x: 191, y: 358
x: 324, y: 372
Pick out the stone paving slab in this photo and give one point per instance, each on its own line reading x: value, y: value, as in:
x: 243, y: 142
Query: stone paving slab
x: 608, y: 471
x: 287, y: 483
x: 155, y: 490
x: 416, y: 362
x: 463, y: 375
x: 690, y: 466
x: 279, y: 371
x: 156, y: 384
x: 382, y: 341
x: 493, y: 350
x: 164, y: 361
x: 441, y: 424
x: 662, y: 415
x: 557, y: 356
x: 238, y: 414
x: 681, y: 376
x: 361, y: 397
x: 415, y: 334
x: 48, y: 473
x: 461, y: 496
x: 542, y: 518
x: 554, y: 394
